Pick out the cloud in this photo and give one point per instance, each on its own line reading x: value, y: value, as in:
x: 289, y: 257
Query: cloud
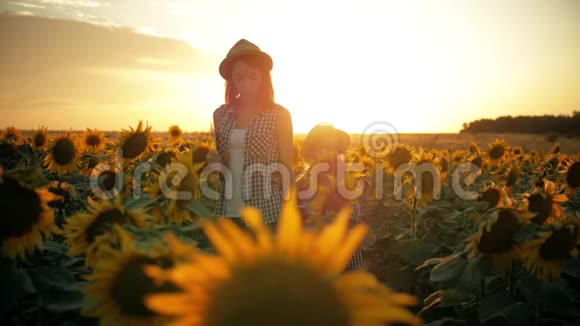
x: 27, y: 5
x: 59, y: 63
x: 77, y: 3
x: 31, y: 101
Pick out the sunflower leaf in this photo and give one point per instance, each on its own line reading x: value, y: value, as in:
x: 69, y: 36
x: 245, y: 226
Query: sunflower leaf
x: 448, y: 269
x: 429, y: 262
x: 142, y: 201
x: 197, y: 207
x: 571, y: 267
x: 56, y: 247
x: 526, y: 232
x: 447, y: 321
x: 49, y: 278
x: 15, y: 284
x: 416, y: 252
x: 64, y: 301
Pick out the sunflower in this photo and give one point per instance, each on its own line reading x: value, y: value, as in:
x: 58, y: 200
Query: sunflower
x: 12, y: 135
x: 165, y: 157
x: 552, y: 163
x: 106, y: 182
x: 572, y: 173
x: 474, y: 149
x: 444, y: 162
x: 429, y: 178
x: 496, y: 237
x: 39, y: 138
x: 26, y: 217
x: 175, y: 135
x: 63, y: 154
x: 89, y: 162
x: 65, y: 192
x: 94, y: 140
x: 177, y: 210
x: 517, y: 151
x: 555, y: 149
x: 497, y: 150
x: 7, y: 151
x: 135, y: 143
x: 116, y: 288
x: 494, y: 197
x: 478, y: 161
x: 290, y: 278
x: 543, y: 256
x: 513, y: 176
x: 199, y: 154
x: 544, y: 203
x: 399, y: 155
x: 85, y: 231
x: 458, y: 156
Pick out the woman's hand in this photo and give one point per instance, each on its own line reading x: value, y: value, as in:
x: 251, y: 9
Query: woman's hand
x: 213, y: 156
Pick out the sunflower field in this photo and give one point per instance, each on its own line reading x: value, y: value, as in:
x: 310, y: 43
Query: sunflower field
x: 481, y: 236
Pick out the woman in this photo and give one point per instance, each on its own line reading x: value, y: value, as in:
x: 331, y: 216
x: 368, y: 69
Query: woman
x: 253, y: 136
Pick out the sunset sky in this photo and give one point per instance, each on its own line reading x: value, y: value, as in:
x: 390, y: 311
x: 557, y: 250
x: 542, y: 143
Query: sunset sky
x: 422, y: 66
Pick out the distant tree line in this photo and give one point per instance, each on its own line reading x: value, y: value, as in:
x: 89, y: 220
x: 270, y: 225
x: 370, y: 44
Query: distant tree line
x: 565, y: 125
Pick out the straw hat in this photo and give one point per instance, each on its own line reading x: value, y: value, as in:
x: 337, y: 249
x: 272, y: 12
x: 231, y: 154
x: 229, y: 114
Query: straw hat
x: 243, y: 48
x: 324, y: 137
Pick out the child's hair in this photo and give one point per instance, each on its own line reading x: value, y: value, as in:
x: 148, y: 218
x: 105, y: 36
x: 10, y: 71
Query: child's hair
x: 323, y: 137
x: 267, y: 93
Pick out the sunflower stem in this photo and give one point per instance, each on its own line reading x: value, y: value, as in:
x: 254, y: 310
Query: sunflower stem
x: 509, y: 276
x: 413, y: 220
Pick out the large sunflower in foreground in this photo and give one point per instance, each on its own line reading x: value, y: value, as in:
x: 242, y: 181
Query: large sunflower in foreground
x: 116, y: 288
x: 84, y: 232
x: 94, y: 140
x: 63, y: 155
x: 496, y: 238
x: 544, y: 203
x: 290, y: 278
x: 558, y: 242
x: 26, y: 217
x: 135, y: 143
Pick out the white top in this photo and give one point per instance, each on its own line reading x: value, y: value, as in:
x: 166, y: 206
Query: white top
x: 236, y: 166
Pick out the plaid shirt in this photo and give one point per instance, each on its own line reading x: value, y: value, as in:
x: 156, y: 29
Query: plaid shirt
x: 260, y: 156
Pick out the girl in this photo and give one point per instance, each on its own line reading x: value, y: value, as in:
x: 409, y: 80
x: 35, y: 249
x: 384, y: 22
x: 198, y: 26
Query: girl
x: 253, y: 136
x: 324, y: 149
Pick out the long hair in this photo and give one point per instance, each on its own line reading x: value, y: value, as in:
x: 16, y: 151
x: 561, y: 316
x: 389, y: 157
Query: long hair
x: 267, y: 92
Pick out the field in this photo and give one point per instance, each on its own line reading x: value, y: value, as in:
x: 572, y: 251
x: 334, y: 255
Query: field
x: 494, y: 245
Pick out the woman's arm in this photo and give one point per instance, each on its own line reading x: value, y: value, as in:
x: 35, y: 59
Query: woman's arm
x: 215, y: 126
x: 214, y: 155
x: 286, y: 144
